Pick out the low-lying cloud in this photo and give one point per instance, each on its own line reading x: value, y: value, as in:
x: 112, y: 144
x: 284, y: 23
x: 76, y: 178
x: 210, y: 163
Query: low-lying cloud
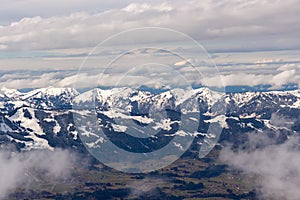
x: 19, y: 169
x: 276, y: 166
x: 276, y: 79
x: 147, y: 186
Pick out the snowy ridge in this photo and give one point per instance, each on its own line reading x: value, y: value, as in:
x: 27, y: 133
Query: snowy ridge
x: 42, y: 118
x: 49, y: 92
x: 9, y: 93
x: 115, y: 95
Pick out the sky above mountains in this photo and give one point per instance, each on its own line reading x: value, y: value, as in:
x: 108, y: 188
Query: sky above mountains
x: 253, y: 43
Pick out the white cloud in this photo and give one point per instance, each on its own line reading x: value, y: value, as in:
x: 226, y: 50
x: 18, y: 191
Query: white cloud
x: 276, y: 166
x: 276, y: 78
x: 183, y: 62
x: 239, y: 79
x: 289, y: 67
x: 13, y: 10
x: 274, y: 23
x: 28, y: 80
x: 144, y: 7
x: 19, y: 169
x: 267, y: 61
x: 67, y: 33
x: 153, y: 76
x: 146, y: 186
x: 283, y: 78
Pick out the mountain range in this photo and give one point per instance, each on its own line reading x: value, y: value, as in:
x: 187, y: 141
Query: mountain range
x: 44, y: 118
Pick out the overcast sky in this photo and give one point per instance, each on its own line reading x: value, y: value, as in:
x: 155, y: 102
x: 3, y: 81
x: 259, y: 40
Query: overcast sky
x: 33, y: 31
x: 39, y: 24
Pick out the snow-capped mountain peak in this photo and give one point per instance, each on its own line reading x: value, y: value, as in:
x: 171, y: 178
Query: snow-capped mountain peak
x: 9, y: 93
x: 41, y: 117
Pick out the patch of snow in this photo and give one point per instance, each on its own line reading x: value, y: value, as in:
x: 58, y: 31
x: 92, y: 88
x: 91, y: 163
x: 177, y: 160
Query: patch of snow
x: 247, y: 116
x: 179, y: 146
x: 26, y: 122
x: 96, y: 143
x: 56, y: 128
x: 221, y: 119
x: 119, y: 128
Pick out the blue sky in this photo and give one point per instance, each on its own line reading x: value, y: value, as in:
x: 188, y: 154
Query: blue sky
x: 253, y: 42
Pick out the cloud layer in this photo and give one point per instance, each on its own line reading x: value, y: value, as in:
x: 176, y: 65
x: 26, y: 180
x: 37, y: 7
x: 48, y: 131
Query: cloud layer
x: 276, y: 166
x: 19, y: 169
x: 46, y: 44
x: 256, y: 24
x: 276, y: 75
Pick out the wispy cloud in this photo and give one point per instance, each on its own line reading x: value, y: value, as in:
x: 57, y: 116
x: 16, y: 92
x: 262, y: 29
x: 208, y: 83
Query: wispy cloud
x: 277, y: 79
x: 19, y: 169
x: 276, y: 166
x: 146, y: 187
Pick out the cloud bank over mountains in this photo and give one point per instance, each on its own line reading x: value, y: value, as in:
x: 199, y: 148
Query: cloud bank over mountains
x: 46, y: 43
x: 256, y: 24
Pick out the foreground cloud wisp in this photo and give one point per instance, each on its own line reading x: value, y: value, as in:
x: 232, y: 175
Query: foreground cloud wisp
x: 276, y: 166
x: 19, y: 169
x: 146, y: 186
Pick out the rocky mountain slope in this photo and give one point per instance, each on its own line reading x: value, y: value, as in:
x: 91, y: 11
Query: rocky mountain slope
x: 44, y: 118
